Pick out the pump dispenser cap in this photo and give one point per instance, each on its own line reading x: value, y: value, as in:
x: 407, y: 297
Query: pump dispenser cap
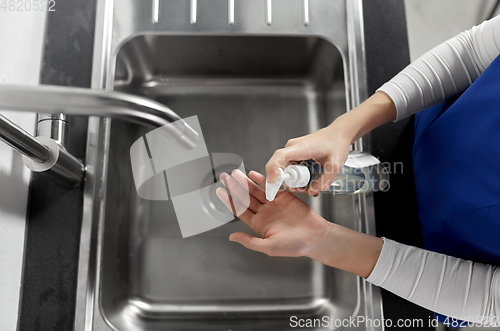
x: 295, y: 175
x: 299, y: 176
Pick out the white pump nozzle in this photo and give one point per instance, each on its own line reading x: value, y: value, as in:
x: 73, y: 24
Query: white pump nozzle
x: 295, y: 175
x: 273, y: 188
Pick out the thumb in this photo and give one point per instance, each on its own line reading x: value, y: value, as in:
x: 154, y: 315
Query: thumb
x: 250, y: 242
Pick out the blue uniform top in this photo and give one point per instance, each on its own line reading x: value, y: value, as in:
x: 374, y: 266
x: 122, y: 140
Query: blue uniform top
x: 456, y: 159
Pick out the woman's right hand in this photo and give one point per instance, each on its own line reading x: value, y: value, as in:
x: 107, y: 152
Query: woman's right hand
x: 330, y: 146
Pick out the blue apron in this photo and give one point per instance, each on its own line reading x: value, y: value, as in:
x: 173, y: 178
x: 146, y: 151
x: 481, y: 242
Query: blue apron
x: 456, y: 160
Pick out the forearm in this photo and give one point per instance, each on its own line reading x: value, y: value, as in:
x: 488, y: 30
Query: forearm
x: 346, y: 249
x: 446, y: 70
x: 448, y: 285
x: 439, y: 74
x: 445, y: 284
x: 372, y: 113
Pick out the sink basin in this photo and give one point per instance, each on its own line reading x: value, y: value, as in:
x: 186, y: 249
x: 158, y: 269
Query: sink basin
x: 253, y: 83
x: 250, y: 94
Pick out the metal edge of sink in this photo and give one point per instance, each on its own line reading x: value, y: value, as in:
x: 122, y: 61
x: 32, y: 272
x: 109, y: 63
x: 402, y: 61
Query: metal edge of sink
x: 87, y: 314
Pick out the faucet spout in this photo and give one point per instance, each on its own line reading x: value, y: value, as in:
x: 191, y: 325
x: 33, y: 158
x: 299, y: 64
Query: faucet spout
x: 39, y: 153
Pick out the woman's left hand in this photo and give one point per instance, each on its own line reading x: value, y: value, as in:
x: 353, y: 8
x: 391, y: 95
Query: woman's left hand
x: 287, y: 226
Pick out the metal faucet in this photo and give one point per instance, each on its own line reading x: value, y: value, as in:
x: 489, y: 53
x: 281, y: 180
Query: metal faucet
x: 46, y: 153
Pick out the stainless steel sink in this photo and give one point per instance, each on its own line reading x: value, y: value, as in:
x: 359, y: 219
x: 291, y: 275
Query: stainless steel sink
x: 253, y: 85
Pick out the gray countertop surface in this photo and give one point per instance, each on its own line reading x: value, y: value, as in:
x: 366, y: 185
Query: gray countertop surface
x: 55, y: 214
x: 387, y: 53
x: 21, y: 40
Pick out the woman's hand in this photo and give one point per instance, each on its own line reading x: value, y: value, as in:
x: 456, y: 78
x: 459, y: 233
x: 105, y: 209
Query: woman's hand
x: 289, y: 227
x: 330, y: 146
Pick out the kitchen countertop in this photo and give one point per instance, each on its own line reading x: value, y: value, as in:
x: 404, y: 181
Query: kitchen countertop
x: 21, y: 40
x: 55, y: 214
x: 50, y: 274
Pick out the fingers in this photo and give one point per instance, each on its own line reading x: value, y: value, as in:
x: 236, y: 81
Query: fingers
x: 261, y: 180
x: 258, y: 178
x: 253, y: 188
x: 298, y: 189
x: 293, y: 141
x: 282, y: 157
x: 253, y: 243
x: 240, y: 192
x: 234, y: 206
x: 323, y: 183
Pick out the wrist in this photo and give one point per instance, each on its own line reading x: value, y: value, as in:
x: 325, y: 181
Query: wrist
x: 375, y: 111
x: 345, y: 128
x: 346, y: 249
x: 321, y: 242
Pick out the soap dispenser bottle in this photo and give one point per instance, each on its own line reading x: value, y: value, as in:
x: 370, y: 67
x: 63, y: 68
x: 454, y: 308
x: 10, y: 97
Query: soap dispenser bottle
x: 361, y: 172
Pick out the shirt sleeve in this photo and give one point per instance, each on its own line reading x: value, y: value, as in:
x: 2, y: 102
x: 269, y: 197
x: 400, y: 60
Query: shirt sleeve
x: 446, y: 70
x: 450, y: 286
